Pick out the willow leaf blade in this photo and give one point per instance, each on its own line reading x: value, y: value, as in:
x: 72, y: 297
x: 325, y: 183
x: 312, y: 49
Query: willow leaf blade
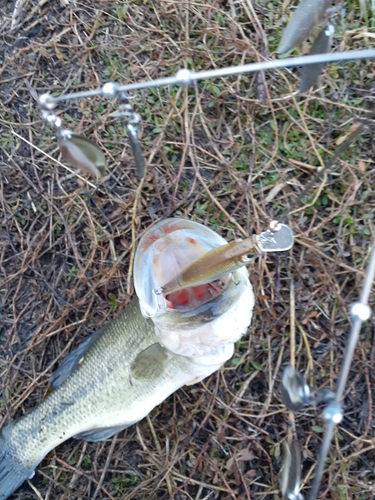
x: 81, y: 153
x: 136, y: 149
x: 308, y: 15
x: 322, y: 45
x: 290, y: 481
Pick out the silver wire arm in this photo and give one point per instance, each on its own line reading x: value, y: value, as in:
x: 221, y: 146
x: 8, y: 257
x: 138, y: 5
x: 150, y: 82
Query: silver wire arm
x: 187, y: 77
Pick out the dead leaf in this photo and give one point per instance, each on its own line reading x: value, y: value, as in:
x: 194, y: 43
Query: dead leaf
x: 240, y: 456
x: 245, y: 454
x: 230, y: 463
x: 352, y: 129
x: 361, y: 166
x: 274, y: 191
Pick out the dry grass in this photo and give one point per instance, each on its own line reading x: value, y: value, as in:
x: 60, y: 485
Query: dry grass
x: 233, y: 154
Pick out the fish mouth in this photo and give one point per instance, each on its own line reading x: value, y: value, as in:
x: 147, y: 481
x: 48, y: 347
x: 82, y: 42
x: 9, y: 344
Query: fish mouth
x: 164, y: 250
x: 204, y: 321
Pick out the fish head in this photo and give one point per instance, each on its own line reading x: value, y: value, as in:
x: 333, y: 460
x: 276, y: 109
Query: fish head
x: 204, y: 320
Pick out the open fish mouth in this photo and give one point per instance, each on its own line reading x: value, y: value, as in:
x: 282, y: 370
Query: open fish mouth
x: 164, y: 250
x: 195, y: 321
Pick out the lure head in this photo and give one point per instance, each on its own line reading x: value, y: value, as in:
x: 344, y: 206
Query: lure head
x: 196, y: 320
x: 248, y: 257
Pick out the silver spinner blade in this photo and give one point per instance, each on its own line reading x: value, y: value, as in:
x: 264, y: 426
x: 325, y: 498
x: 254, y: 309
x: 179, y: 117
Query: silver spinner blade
x: 290, y: 480
x: 308, y: 14
x: 277, y: 238
x: 295, y: 393
x: 311, y: 72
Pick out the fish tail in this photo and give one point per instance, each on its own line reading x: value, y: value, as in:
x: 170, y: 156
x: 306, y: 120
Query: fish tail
x: 12, y: 472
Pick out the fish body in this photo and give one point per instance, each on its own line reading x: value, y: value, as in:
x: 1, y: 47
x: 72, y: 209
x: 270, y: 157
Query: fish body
x: 118, y: 375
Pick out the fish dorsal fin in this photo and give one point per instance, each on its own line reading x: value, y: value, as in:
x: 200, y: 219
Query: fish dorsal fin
x: 149, y: 363
x: 71, y: 361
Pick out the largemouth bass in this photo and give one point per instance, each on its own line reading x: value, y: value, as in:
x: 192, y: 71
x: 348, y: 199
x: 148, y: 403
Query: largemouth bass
x: 118, y: 375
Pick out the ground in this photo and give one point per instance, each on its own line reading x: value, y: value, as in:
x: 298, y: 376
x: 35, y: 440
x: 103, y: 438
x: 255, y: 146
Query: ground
x: 232, y: 153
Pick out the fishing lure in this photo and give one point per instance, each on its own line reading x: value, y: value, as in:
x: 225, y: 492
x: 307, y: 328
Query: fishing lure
x: 228, y: 258
x: 81, y: 153
x: 290, y: 480
x: 295, y: 393
x: 322, y: 45
x: 308, y: 15
x: 131, y: 122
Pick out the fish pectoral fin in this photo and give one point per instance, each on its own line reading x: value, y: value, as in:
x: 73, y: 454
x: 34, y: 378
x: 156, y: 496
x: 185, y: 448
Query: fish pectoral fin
x: 149, y: 363
x: 101, y: 434
x: 71, y: 361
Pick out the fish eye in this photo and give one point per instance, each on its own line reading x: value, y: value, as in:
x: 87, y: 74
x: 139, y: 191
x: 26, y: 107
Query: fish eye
x: 246, y: 258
